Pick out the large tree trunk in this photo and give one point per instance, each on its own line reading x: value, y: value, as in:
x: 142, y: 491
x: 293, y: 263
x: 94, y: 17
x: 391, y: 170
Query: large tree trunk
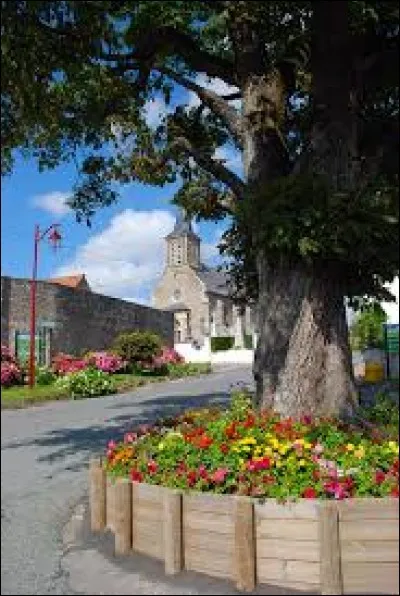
x: 303, y: 361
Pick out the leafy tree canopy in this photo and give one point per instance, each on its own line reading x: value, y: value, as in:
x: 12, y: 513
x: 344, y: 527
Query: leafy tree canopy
x: 367, y: 329
x: 76, y: 77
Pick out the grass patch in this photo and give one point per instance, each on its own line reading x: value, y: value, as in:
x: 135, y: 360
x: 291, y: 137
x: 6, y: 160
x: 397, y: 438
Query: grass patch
x: 21, y: 396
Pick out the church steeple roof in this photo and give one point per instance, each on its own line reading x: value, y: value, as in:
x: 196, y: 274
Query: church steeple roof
x: 183, y: 226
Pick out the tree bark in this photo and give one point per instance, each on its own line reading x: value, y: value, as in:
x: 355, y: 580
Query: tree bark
x: 303, y: 360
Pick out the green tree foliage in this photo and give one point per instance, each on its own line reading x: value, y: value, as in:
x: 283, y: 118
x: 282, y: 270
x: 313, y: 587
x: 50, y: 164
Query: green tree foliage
x: 315, y: 213
x: 367, y: 329
x: 77, y: 75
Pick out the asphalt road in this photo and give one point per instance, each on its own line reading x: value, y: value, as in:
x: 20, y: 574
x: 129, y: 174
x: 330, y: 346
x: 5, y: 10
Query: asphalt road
x: 44, y: 456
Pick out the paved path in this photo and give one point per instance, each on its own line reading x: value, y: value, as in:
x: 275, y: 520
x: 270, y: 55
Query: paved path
x: 44, y: 455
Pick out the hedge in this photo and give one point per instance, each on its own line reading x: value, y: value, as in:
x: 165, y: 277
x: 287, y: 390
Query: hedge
x: 219, y: 344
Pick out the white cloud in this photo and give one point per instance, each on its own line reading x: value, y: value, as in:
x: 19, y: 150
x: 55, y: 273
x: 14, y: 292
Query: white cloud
x: 213, y: 84
x: 52, y: 202
x: 155, y: 110
x: 126, y: 259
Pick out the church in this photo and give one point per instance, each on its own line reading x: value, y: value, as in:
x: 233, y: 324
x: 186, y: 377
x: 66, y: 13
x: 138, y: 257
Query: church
x: 198, y: 296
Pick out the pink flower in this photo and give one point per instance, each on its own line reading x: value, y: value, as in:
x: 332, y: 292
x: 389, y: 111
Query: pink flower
x: 130, y: 437
x: 318, y: 449
x: 219, y: 475
x: 111, y: 444
x: 263, y: 463
x: 379, y: 476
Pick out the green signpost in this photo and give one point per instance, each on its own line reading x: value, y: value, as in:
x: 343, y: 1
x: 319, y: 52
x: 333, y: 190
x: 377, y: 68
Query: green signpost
x: 391, y: 334
x: 22, y: 343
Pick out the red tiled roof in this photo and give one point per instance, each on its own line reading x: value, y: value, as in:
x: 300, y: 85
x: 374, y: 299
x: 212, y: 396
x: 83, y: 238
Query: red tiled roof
x: 71, y: 281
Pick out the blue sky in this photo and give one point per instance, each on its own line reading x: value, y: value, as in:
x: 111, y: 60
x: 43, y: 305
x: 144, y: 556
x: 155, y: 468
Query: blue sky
x: 122, y: 254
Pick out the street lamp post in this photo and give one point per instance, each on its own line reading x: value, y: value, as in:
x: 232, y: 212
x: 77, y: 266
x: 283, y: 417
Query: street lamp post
x: 54, y: 237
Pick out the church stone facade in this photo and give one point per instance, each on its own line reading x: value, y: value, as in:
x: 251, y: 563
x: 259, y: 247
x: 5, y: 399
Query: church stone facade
x: 198, y: 296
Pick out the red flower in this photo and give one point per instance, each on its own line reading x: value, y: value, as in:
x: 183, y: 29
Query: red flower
x: 249, y: 422
x: 152, y: 466
x: 395, y: 492
x: 309, y: 493
x: 306, y: 419
x: 230, y: 431
x: 204, y: 442
x: 224, y: 448
x: 316, y: 474
x: 136, y: 476
x: 254, y: 465
x: 202, y: 471
x: 191, y: 477
x: 268, y: 479
x: 379, y: 476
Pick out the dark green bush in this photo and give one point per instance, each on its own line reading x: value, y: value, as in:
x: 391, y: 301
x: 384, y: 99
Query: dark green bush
x: 137, y: 346
x: 219, y: 344
x: 248, y: 342
x: 45, y: 376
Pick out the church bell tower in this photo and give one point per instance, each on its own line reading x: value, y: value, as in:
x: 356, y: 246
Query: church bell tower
x: 183, y: 245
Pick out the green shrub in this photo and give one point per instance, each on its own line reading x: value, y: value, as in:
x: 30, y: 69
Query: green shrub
x: 137, y: 346
x: 89, y: 382
x: 45, y: 376
x: 248, y: 342
x: 219, y: 344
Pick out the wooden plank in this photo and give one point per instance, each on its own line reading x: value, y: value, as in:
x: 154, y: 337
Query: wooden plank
x: 330, y: 565
x: 214, y: 522
x: 272, y: 570
x: 368, y: 508
x: 211, y: 541
x: 245, y: 545
x: 370, y: 551
x: 151, y: 548
x: 173, y: 532
x: 110, y: 503
x: 373, y: 529
x: 150, y: 529
x: 149, y: 513
x: 97, y: 495
x: 208, y: 503
x: 302, y: 509
x: 370, y: 578
x: 296, y: 550
x: 305, y: 587
x: 123, y: 516
x: 149, y: 492
x: 212, y: 563
x: 287, y: 529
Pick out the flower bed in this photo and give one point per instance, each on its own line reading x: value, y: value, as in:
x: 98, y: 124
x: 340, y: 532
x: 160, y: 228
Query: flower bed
x: 243, y: 453
x: 11, y: 372
x: 296, y: 504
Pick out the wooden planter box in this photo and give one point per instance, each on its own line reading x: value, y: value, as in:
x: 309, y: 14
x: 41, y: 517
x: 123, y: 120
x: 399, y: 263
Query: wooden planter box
x: 332, y: 547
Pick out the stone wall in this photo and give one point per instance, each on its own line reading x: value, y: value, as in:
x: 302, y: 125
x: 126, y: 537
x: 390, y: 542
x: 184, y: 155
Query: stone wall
x: 79, y: 320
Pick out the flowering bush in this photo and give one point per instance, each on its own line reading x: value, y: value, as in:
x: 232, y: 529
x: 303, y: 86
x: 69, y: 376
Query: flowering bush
x: 168, y: 356
x: 106, y: 361
x: 64, y: 364
x: 87, y: 383
x: 242, y: 452
x: 11, y: 373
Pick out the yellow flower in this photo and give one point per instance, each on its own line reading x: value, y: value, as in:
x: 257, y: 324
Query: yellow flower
x: 302, y: 463
x: 283, y: 449
x: 275, y: 443
x: 161, y: 446
x: 299, y: 441
x: 258, y: 451
x: 360, y: 452
x: 350, y: 447
x: 393, y: 446
x: 268, y: 452
x: 307, y: 445
x: 278, y: 464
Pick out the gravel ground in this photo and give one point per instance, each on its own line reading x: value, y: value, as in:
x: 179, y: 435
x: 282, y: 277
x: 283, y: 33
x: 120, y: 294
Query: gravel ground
x: 44, y: 456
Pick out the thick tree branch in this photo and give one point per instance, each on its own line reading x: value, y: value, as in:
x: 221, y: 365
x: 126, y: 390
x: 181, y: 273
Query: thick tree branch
x: 212, y: 100
x: 211, y: 165
x: 181, y: 44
